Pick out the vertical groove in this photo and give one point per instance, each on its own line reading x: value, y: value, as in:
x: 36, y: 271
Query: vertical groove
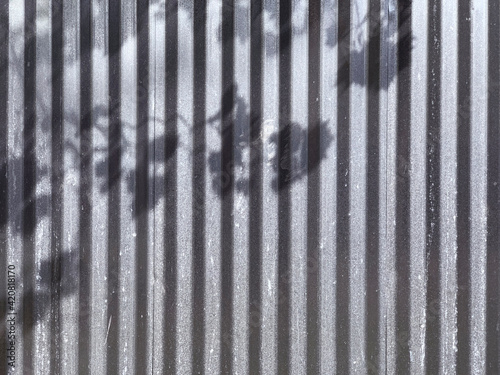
x: 493, y: 260
x: 199, y: 112
x: 57, y: 182
x: 463, y: 189
x: 255, y: 190
x: 343, y: 187
x: 170, y: 229
x: 403, y: 189
x: 270, y: 194
x: 433, y: 314
x: 372, y: 192
x: 142, y: 189
x: 447, y: 188
x: 313, y: 188
x: 114, y: 175
x: 29, y: 180
x: 284, y: 158
x: 85, y: 186
x: 227, y: 167
x: 478, y: 184
x: 4, y: 92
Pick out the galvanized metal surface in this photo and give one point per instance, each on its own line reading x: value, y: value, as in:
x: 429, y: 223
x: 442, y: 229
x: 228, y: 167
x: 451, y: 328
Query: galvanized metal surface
x: 250, y: 186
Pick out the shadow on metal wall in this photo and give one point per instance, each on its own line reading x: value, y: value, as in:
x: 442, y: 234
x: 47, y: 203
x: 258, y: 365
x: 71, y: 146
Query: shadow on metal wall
x: 293, y: 140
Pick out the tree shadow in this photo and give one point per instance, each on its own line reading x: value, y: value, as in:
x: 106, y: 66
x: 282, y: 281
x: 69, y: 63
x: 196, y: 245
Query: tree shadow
x: 223, y: 180
x: 293, y: 164
x: 42, y: 294
x: 289, y: 167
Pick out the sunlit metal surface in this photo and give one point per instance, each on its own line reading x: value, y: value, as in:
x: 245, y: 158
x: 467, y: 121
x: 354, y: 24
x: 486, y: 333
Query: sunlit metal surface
x: 250, y: 186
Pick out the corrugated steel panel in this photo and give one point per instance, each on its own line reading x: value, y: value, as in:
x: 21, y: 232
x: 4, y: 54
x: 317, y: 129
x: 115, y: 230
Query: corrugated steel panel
x: 249, y: 186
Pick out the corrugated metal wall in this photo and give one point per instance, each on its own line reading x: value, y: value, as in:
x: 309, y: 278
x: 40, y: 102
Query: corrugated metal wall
x: 250, y: 186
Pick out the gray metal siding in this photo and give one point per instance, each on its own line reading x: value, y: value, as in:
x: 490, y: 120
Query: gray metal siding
x: 250, y: 186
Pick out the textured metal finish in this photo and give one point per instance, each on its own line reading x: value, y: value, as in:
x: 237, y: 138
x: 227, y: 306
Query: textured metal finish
x: 250, y: 186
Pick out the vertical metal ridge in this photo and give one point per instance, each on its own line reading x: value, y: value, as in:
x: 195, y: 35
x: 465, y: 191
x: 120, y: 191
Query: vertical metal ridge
x: 241, y: 184
x: 271, y: 297
x: 86, y: 181
x: 157, y: 213
x: 155, y: 94
x: 328, y: 184
x: 185, y: 120
x: 68, y: 250
x: 4, y: 183
x: 57, y: 178
x: 478, y: 193
x: 69, y: 247
x: 463, y: 188
x: 113, y: 185
x: 344, y: 80
x: 385, y: 236
x: 199, y: 117
x: 29, y: 180
x: 403, y: 187
x: 283, y: 176
x: 357, y: 183
x: 448, y: 188
x: 297, y: 181
x: 433, y: 191
x: 170, y: 252
x: 100, y: 322
x: 129, y: 220
x: 213, y: 208
x: 415, y: 169
x: 389, y: 286
x: 256, y: 246
x: 372, y: 191
x: 314, y: 154
x: 15, y: 138
x: 141, y: 199
x: 493, y: 225
x: 228, y: 92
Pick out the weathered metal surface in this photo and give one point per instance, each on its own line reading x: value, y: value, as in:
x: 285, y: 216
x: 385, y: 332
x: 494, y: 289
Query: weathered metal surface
x: 250, y: 186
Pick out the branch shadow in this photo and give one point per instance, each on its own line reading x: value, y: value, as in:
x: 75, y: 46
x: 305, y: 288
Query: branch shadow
x: 290, y: 167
